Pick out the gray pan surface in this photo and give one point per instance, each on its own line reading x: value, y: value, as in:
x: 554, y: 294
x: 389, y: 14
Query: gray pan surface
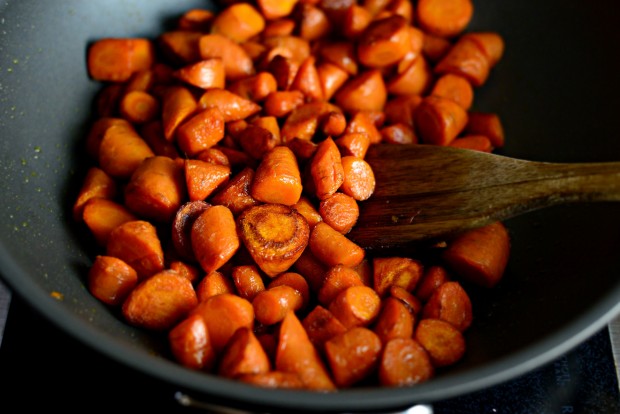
x: 556, y: 90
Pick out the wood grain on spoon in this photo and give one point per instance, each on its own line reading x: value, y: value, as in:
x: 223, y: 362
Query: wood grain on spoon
x: 428, y: 192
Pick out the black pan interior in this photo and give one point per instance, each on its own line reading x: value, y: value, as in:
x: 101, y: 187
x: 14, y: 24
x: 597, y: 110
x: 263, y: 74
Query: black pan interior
x: 556, y: 91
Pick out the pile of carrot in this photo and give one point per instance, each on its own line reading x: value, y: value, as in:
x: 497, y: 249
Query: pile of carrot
x: 228, y: 168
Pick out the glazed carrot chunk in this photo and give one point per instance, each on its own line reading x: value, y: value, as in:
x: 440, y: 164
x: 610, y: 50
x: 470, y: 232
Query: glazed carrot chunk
x: 214, y: 237
x: 272, y: 305
x: 190, y: 344
x: 433, y: 277
x: 297, y: 282
x: 439, y: 120
x: 203, y: 178
x: 181, y: 228
x: 321, y: 325
x: 275, y: 235
x: 248, y: 281
x: 353, y: 355
x: 122, y: 150
x: 450, y: 303
x: 139, y: 107
x: 277, y: 178
x: 326, y: 169
x: 394, y: 321
x: 201, y: 131
x: 116, y: 60
x: 178, y: 104
x: 443, y: 342
x: 160, y: 302
x: 235, y: 194
x: 110, y: 279
x: 486, y: 124
x: 356, y: 306
x: 102, y: 216
x: 395, y: 271
x: 237, y: 63
x: 337, y: 279
x: 333, y: 248
x: 359, y: 179
x: 137, y: 244
x: 444, y: 18
x: 204, y: 74
x: 214, y: 283
x: 364, y: 92
x: 404, y: 362
x: 243, y: 355
x: 239, y: 22
x: 339, y: 211
x: 384, y: 42
x: 232, y: 106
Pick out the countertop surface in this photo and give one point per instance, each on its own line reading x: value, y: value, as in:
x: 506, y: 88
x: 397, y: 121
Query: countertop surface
x: 49, y: 369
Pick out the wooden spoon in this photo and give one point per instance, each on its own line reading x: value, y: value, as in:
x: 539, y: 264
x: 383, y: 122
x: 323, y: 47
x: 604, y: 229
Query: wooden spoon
x: 429, y: 193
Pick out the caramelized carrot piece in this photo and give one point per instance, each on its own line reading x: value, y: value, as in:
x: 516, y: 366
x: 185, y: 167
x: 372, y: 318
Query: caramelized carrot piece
x: 332, y: 247
x: 326, y: 169
x: 106, y: 100
x: 444, y: 343
x: 311, y: 268
x: 248, y: 281
x: 110, y: 279
x: 121, y: 151
x: 214, y: 237
x: 195, y: 19
x: 332, y: 123
x: 257, y: 141
x: 137, y: 244
x: 101, y: 216
x: 487, y: 124
x: 160, y: 302
x: 352, y: 356
x: 214, y: 283
x: 416, y: 79
x: 275, y: 9
x: 282, y: 103
x: 272, y: 305
x: 275, y: 235
x: 190, y: 344
x: 233, y: 107
x: 255, y: 88
x: 356, y: 19
x: 401, y: 109
x: 446, y: 18
x: 201, y: 131
x: 280, y: 27
x: 473, y: 142
x: 363, y: 123
x: 394, y: 321
x: 356, y: 306
x: 182, y: 227
x: 283, y: 69
x: 96, y: 184
x: 296, y: 354
x: 156, y: 189
x: 303, y: 149
x: 384, y: 42
x: 203, y: 178
x: 454, y: 87
x: 297, y: 282
x: 305, y: 207
x: 274, y: 379
x: 364, y: 92
x: 237, y: 62
x: 292, y: 47
x: 277, y: 178
x: 491, y: 43
x: 312, y: 22
x: 204, y: 74
x: 235, y: 194
x: 434, y: 48
x: 153, y: 134
x: 243, y: 355
x: 339, y: 211
x: 116, y: 59
x: 404, y: 362
x: 359, y: 179
x: 223, y: 315
x: 337, y: 279
x: 353, y: 143
x: 139, y: 107
x: 239, y: 22
x: 480, y: 255
x: 451, y: 303
x: 398, y: 134
x: 432, y: 278
x: 399, y: 271
x: 307, y: 80
x: 180, y: 46
x: 341, y: 54
x: 214, y: 156
x: 320, y: 325
x: 178, y: 104
x: 413, y: 304
x: 439, y: 120
x: 466, y: 58
x: 187, y: 270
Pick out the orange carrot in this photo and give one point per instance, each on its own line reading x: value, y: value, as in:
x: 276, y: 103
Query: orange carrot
x: 275, y: 235
x: 178, y: 104
x: 214, y: 283
x: 248, y: 281
x: 237, y: 63
x: 190, y: 343
x: 307, y: 80
x: 235, y: 194
x: 404, y: 362
x: 466, y: 58
x: 339, y: 211
x: 296, y: 354
x: 473, y: 142
x: 116, y: 59
x: 444, y: 343
x: 311, y: 268
x: 139, y: 107
x: 195, y: 19
x: 312, y: 22
x: 320, y: 325
x: 101, y: 216
x: 181, y: 228
x: 364, y: 92
x: 277, y: 178
x: 201, y: 131
x: 356, y: 306
x: 353, y: 143
x: 399, y: 133
x: 243, y: 355
x: 137, y: 244
x: 180, y: 46
x: 359, y: 179
x: 326, y: 169
x: 399, y: 271
x: 204, y: 74
x: 153, y: 134
x: 214, y: 237
x: 187, y: 270
x: 156, y: 189
x: 110, y: 279
x: 394, y: 321
x: 282, y: 103
x: 413, y: 303
x: 255, y: 88
x: 384, y: 42
x: 297, y: 282
x: 160, y: 302
x: 272, y: 305
x: 332, y: 247
x: 488, y: 124
x: 233, y: 107
x: 257, y: 141
x: 96, y: 184
x: 239, y: 22
x: 356, y: 19
x: 446, y: 18
x: 415, y: 79
x: 432, y: 278
x: 274, y: 9
x: 450, y: 303
x: 203, y: 178
x: 353, y: 355
x: 362, y: 122
x: 121, y: 151
x: 480, y: 255
x: 337, y: 279
x: 454, y: 87
x: 439, y: 120
x: 305, y: 207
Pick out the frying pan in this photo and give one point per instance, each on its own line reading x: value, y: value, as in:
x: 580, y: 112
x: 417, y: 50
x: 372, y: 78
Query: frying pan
x: 556, y: 91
